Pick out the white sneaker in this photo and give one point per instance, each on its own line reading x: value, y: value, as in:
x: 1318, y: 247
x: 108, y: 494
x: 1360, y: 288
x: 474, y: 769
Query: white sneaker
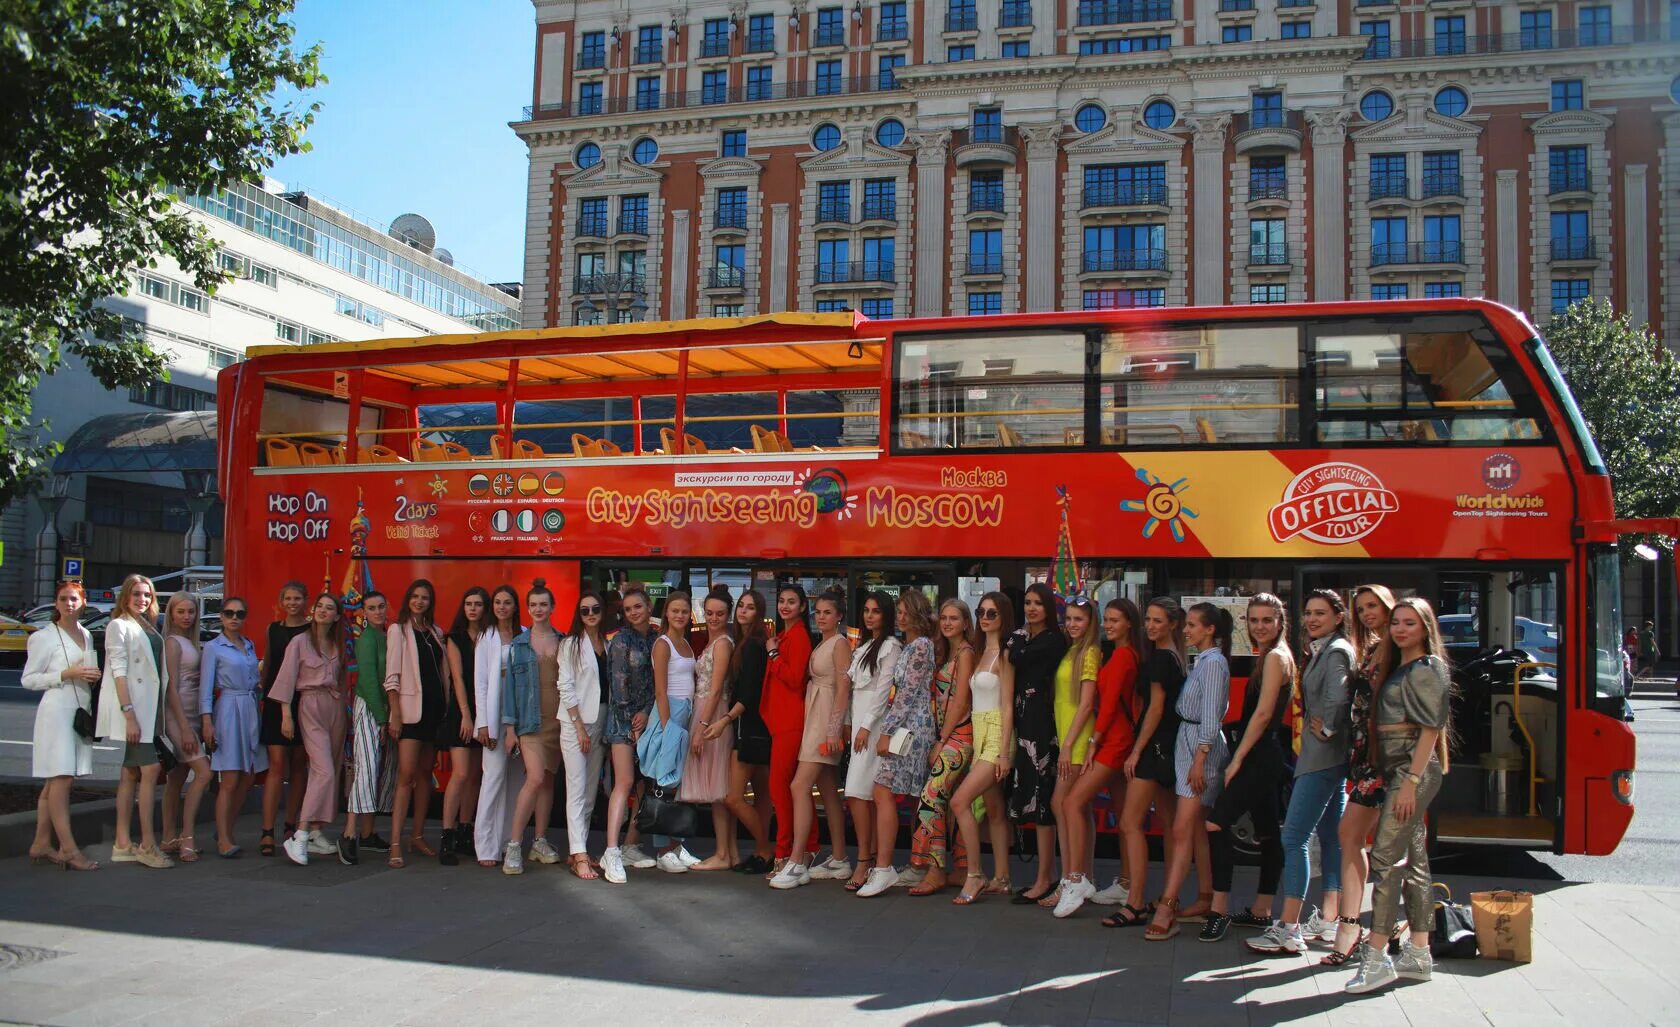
x: 636, y: 859
x: 1278, y: 939
x: 909, y: 877
x: 1316, y: 928
x: 880, y: 879
x: 689, y: 859
x: 671, y: 863
x: 1375, y: 971
x: 832, y: 869
x: 1074, y: 894
x: 297, y: 848
x: 1116, y: 894
x: 612, y: 866
x: 319, y: 846
x: 543, y: 852
x: 792, y: 875
x: 513, y: 862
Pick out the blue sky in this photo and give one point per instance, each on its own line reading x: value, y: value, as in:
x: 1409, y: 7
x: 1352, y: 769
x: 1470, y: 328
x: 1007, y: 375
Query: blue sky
x: 415, y: 119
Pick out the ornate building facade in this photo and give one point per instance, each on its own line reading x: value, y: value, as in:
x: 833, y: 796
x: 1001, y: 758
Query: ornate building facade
x: 927, y: 157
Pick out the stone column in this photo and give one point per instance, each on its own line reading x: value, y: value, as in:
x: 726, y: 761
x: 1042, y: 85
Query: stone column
x: 779, y: 269
x: 1508, y: 289
x: 1209, y: 233
x: 932, y: 216
x: 680, y: 276
x: 1329, y: 203
x: 539, y: 257
x: 1041, y: 215
x: 1636, y: 244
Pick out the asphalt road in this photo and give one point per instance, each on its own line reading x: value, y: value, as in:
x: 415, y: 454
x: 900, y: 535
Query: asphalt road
x: 1646, y: 855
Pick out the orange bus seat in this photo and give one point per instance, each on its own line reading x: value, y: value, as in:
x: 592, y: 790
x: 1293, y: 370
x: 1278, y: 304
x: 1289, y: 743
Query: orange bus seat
x: 766, y: 441
x: 690, y: 444
x: 455, y: 451
x: 914, y: 439
x: 377, y: 454
x: 607, y: 447
x: 525, y: 449
x: 427, y: 450
x: 337, y: 453
x: 1204, y: 430
x: 314, y: 454
x: 498, y: 447
x: 583, y: 445
x: 1008, y: 436
x: 281, y: 453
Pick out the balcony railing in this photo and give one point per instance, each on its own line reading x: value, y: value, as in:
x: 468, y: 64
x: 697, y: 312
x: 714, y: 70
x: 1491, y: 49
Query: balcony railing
x: 985, y: 263
x: 1389, y: 185
x: 588, y: 59
x: 704, y: 97
x: 1015, y: 16
x: 1517, y: 42
x: 986, y: 132
x: 725, y: 276
x: 1265, y: 254
x: 1228, y: 6
x: 855, y: 271
x: 730, y: 217
x: 1442, y: 183
x: 1266, y: 117
x: 893, y: 30
x: 834, y: 212
x: 714, y: 48
x: 961, y: 21
x: 1123, y: 12
x: 1571, y: 180
x: 1123, y: 194
x: 1268, y: 189
x: 880, y: 209
x: 829, y: 35
x: 632, y: 224
x: 1123, y: 260
x: 1438, y: 252
x: 985, y: 199
x: 652, y: 53
x: 1572, y: 247
x: 622, y: 283
x: 592, y: 225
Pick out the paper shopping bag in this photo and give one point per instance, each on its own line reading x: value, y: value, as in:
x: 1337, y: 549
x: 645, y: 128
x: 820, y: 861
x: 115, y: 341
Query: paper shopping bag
x: 1504, y: 924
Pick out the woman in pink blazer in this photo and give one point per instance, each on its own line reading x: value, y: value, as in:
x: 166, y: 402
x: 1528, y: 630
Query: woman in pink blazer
x: 417, y: 672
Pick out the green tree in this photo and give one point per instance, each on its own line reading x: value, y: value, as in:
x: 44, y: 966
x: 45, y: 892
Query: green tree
x: 107, y: 107
x: 1627, y: 385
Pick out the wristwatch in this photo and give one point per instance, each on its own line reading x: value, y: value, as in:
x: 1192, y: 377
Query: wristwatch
x: 1413, y: 778
x: 128, y: 707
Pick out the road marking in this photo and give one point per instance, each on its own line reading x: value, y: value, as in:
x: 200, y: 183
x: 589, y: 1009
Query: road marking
x: 97, y: 748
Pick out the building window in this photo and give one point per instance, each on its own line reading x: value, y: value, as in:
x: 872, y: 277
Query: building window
x: 985, y: 190
x: 1449, y: 34
x: 981, y: 304
x: 890, y: 132
x: 1595, y: 26
x: 714, y: 86
x: 965, y: 52
x: 588, y: 155
x: 1267, y: 178
x: 826, y: 138
x: 1376, y: 105
x: 1377, y: 41
x: 1265, y: 110
x: 833, y: 306
x: 1236, y: 33
x: 986, y: 126
x: 1160, y: 115
x: 1120, y: 185
x: 1535, y: 32
x: 1124, y: 248
x: 831, y: 27
x: 1451, y: 102
x: 834, y: 203
x: 1268, y: 294
x: 1387, y: 291
x: 728, y: 309
x: 1267, y: 243
x: 829, y: 80
x: 732, y: 207
x: 650, y: 44
x: 633, y: 214
x: 1441, y: 175
x: 1118, y: 299
x: 646, y: 151
x: 174, y: 293
x: 1016, y: 48
x: 169, y: 396
x: 1568, y: 167
x: 893, y: 24
x: 592, y: 50
x: 834, y: 260
x: 985, y: 252
x: 886, y: 76
x: 1388, y: 241
x: 647, y: 93
x: 1568, y: 291
x: 880, y: 199
x: 1388, y: 176
x: 1090, y: 118
x: 1124, y: 44
x: 1568, y: 94
x: 729, y: 267
x: 1015, y: 14
x: 1442, y: 290
x: 715, y: 42
x: 878, y: 262
x: 1297, y: 30
x: 592, y: 217
x: 734, y: 143
x: 589, y: 98
x: 878, y: 308
x: 1441, y: 239
x: 761, y: 33
x: 1571, y: 235
x: 760, y: 82
x: 960, y: 16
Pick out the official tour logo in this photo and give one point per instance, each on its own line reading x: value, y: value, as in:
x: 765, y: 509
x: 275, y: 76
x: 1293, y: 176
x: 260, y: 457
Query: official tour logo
x: 1500, y: 472
x: 1334, y: 503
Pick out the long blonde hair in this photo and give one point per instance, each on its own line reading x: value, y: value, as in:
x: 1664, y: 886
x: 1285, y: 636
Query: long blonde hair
x: 1433, y: 648
x: 191, y: 632
x: 124, y: 609
x: 944, y: 651
x: 1090, y: 638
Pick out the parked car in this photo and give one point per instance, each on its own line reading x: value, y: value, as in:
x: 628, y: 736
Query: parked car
x: 14, y: 640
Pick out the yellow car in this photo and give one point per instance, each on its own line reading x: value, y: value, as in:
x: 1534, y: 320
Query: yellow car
x: 14, y: 639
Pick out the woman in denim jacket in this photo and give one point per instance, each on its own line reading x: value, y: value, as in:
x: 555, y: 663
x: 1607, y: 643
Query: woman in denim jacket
x: 522, y: 683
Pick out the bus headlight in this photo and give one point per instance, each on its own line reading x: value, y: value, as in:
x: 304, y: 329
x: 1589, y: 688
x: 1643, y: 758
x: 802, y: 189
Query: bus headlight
x: 1621, y: 786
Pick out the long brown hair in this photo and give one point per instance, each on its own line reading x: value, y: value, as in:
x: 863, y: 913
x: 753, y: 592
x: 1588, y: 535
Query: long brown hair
x: 755, y: 633
x: 1433, y: 648
x: 335, y: 632
x: 1089, y: 640
x: 1369, y: 644
x: 126, y: 593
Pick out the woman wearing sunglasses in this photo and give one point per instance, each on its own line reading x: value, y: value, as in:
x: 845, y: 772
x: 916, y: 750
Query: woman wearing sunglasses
x: 230, y: 715
x: 992, y: 688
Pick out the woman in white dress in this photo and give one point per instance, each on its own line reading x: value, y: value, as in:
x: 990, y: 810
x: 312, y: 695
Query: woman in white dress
x: 182, y: 654
x: 871, y: 674
x: 502, y: 774
x: 62, y: 664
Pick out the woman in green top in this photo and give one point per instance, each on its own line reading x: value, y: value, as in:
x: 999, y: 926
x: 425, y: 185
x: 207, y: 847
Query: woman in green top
x: 372, y: 781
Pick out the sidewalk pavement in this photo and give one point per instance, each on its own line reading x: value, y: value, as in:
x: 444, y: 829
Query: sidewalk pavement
x: 255, y: 941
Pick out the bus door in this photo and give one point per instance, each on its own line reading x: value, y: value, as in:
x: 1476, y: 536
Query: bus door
x: 936, y: 580
x: 815, y: 578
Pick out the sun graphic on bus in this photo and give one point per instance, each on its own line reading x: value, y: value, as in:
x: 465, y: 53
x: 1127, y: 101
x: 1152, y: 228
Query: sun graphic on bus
x: 1162, y: 504
x: 829, y: 486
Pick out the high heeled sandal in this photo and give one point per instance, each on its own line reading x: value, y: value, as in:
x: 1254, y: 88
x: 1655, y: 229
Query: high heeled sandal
x: 265, y: 844
x: 43, y: 858
x: 418, y: 844
x: 1336, y: 957
x: 998, y: 886
x: 187, y: 852
x: 1155, y: 932
x: 967, y: 898
x: 79, y: 862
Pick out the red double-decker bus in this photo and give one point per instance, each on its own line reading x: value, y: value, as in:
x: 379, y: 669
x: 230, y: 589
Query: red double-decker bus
x: 1201, y: 453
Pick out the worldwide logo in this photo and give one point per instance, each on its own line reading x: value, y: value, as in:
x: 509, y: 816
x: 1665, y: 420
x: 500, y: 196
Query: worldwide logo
x: 1501, y: 472
x: 1334, y: 503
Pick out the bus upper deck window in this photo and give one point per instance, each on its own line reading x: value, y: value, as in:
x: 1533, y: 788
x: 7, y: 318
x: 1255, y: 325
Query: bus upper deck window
x: 1201, y: 385
x: 991, y: 390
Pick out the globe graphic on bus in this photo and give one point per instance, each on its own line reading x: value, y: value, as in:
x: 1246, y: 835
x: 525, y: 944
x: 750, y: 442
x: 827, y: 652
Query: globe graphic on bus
x: 829, y: 486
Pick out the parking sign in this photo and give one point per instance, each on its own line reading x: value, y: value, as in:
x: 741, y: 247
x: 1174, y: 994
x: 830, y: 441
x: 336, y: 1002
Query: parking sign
x: 72, y: 568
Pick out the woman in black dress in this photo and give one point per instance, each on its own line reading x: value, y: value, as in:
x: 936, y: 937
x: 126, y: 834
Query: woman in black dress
x: 416, y: 670
x: 750, y: 763
x: 460, y: 798
x: 286, y: 756
x: 1035, y: 652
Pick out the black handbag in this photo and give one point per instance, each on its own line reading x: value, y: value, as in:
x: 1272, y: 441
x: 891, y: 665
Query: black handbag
x: 661, y: 813
x: 1454, y: 933
x: 83, y: 722
x: 167, y: 760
